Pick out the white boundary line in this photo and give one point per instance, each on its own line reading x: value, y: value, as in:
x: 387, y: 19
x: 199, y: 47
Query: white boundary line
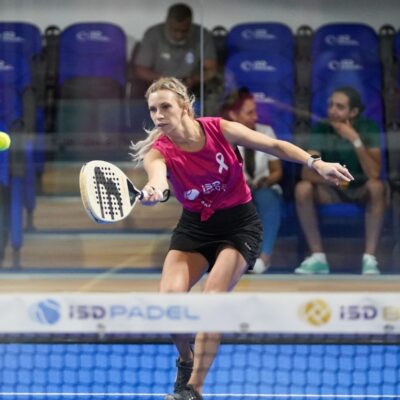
x: 272, y: 396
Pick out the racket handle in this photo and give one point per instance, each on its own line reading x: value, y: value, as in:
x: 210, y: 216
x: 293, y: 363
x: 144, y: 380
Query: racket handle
x: 143, y: 193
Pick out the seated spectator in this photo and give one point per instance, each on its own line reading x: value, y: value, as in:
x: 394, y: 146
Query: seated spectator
x: 348, y: 138
x: 263, y: 172
x: 173, y: 49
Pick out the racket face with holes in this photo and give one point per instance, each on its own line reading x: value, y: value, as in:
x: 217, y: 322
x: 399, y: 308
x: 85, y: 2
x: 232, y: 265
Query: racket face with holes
x: 107, y: 193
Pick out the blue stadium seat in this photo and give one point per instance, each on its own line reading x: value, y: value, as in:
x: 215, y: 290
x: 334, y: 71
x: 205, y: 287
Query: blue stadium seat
x: 347, y: 55
x: 24, y: 40
x: 242, y: 69
x: 93, y: 50
x: 269, y: 37
x: 19, y: 175
x: 15, y: 76
x: 397, y: 57
x: 357, y: 37
x: 329, y: 213
x: 397, y: 45
x: 345, y: 67
x: 271, y: 80
x: 91, y: 85
x: 261, y: 58
x: 275, y: 108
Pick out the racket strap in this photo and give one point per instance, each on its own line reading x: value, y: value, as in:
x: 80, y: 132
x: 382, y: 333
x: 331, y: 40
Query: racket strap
x: 166, y: 194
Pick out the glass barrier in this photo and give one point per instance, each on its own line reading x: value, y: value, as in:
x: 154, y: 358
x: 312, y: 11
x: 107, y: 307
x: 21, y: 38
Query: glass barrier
x: 73, y: 83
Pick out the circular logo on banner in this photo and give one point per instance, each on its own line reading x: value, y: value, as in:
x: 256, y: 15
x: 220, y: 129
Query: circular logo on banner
x: 46, y: 312
x: 316, y: 312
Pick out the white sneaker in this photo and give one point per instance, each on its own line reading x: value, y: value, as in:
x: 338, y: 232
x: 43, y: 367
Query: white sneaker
x: 259, y: 267
x: 312, y: 265
x: 370, y: 265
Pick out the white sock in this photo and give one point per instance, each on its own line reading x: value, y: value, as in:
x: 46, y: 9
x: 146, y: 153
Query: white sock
x: 321, y: 257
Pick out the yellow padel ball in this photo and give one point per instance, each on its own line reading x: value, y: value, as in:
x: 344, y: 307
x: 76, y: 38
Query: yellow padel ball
x: 5, y: 141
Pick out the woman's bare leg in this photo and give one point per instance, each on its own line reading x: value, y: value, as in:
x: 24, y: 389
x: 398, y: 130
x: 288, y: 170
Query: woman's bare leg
x: 180, y: 272
x: 227, y: 270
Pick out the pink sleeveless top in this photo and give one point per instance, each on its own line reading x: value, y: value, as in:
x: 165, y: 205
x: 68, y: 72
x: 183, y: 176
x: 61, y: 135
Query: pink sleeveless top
x: 209, y: 179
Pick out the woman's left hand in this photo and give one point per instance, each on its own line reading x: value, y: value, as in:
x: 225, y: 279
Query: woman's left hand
x: 333, y: 172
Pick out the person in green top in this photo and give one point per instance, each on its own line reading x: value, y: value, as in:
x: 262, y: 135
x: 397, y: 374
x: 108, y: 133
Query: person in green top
x: 349, y: 138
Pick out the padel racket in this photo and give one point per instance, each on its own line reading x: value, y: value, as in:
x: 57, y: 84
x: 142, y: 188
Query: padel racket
x: 108, y: 195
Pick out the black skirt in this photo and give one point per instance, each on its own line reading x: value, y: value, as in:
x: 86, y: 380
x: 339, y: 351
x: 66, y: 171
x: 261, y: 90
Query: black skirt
x: 239, y: 227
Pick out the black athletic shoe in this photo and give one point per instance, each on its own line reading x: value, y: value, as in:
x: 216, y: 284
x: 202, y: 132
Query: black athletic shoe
x: 184, y: 370
x: 189, y: 393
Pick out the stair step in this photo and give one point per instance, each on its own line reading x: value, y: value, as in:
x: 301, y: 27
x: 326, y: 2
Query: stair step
x: 65, y: 237
x: 67, y: 213
x: 89, y: 251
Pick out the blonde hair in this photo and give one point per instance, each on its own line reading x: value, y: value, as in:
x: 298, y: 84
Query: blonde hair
x: 184, y: 99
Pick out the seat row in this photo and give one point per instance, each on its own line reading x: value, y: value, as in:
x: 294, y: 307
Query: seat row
x: 264, y: 57
x: 292, y: 75
x: 88, y: 61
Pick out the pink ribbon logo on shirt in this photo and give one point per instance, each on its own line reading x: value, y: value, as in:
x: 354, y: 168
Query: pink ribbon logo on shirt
x: 221, y: 162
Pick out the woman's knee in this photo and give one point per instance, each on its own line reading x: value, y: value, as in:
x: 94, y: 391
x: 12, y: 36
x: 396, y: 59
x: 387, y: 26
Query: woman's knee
x: 175, y: 285
x: 227, y: 270
x: 181, y: 271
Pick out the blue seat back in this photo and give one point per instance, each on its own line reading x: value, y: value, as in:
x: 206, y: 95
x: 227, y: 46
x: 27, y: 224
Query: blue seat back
x: 96, y: 50
x: 345, y: 68
x: 397, y: 45
x: 20, y: 43
x: 24, y: 40
x: 275, y: 107
x: 397, y: 56
x: 347, y: 54
x: 270, y: 37
x: 243, y: 69
x: 92, y: 82
x: 271, y: 80
x: 356, y: 37
x: 15, y: 76
x: 21, y: 38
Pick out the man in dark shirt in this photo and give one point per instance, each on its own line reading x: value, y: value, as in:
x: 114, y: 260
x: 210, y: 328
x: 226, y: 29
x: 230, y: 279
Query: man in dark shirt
x: 173, y: 49
x: 353, y: 140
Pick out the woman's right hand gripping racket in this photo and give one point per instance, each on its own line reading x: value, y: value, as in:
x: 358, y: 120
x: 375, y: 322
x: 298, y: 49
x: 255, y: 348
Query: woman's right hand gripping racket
x: 108, y: 195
